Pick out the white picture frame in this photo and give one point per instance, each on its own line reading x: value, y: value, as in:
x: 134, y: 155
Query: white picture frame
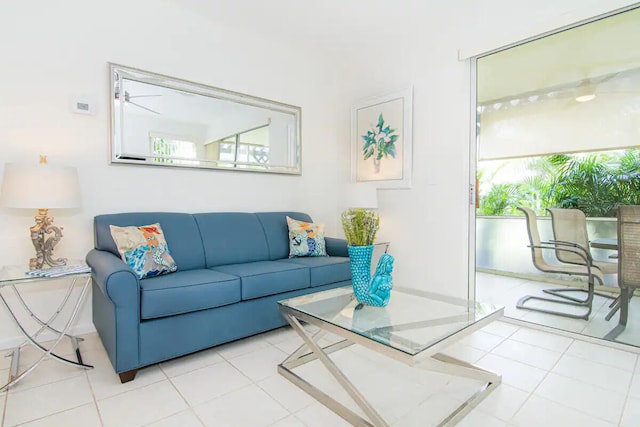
x: 382, y: 139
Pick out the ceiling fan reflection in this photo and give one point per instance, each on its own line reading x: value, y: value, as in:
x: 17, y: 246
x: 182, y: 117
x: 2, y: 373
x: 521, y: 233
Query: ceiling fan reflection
x: 128, y: 97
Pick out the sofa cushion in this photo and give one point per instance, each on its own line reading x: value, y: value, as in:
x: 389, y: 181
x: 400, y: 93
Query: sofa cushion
x: 277, y: 231
x: 267, y: 277
x: 186, y: 291
x: 180, y: 231
x: 232, y: 238
x: 325, y: 270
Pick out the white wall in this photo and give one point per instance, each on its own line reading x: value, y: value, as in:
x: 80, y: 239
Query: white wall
x: 428, y: 225
x: 53, y: 51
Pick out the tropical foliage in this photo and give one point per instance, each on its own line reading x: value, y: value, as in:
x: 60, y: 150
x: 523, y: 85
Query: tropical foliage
x: 379, y: 141
x: 593, y: 183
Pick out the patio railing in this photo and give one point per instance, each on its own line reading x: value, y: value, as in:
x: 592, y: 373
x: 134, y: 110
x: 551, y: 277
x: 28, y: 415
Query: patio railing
x: 501, y: 245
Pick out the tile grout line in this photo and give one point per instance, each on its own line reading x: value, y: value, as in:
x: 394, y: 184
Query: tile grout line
x: 277, y: 401
x: 536, y: 323
x: 315, y: 401
x: 59, y: 380
x: 627, y: 396
x: 132, y: 389
x: 538, y: 385
x: 221, y: 395
x: 284, y: 418
x: 583, y: 382
x: 50, y: 415
x: 210, y: 349
x: 593, y: 318
x: 180, y: 394
x: 95, y: 401
x: 4, y: 405
x: 526, y: 363
x: 257, y: 336
x: 166, y: 377
x: 562, y: 354
x: 504, y: 338
x: 589, y: 384
x: 256, y: 383
x: 572, y: 335
x: 6, y: 398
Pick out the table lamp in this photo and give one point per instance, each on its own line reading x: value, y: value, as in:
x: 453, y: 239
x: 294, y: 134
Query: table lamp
x: 41, y: 187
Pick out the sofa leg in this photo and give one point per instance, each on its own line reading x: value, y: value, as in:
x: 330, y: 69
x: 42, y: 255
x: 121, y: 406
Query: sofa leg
x: 127, y: 376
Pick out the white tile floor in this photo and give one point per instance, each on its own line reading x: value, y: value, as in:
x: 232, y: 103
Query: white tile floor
x: 506, y: 291
x: 548, y: 380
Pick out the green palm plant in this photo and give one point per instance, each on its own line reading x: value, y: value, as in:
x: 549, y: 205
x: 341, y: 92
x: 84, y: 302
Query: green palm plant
x: 502, y: 199
x: 595, y: 184
x: 627, y: 177
x: 587, y: 184
x: 534, y: 191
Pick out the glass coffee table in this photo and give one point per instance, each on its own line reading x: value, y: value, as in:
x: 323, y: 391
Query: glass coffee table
x: 412, y: 329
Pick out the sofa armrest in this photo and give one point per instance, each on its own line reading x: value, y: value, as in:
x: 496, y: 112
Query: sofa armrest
x: 116, y: 308
x: 116, y: 280
x: 336, y: 247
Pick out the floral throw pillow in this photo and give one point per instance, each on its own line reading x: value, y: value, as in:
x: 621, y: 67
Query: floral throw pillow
x: 144, y: 250
x: 305, y: 239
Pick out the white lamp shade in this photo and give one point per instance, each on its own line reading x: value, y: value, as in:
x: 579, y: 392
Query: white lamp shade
x: 41, y: 186
x: 361, y: 196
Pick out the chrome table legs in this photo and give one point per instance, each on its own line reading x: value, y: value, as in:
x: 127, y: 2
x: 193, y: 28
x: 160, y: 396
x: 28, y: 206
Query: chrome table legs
x: 311, y: 350
x: 15, y: 377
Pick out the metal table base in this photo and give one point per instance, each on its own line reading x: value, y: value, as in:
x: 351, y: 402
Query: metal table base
x: 14, y: 376
x: 437, y: 362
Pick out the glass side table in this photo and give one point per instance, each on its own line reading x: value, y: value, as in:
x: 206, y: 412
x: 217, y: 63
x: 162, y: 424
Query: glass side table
x: 14, y: 277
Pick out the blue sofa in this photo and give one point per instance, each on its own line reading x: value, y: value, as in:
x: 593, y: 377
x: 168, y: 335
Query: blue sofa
x: 232, y: 269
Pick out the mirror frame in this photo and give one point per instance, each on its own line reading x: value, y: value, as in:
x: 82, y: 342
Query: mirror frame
x: 198, y: 89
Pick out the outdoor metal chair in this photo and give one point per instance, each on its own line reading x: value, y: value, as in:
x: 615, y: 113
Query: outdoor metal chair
x: 586, y: 268
x: 628, y: 262
x: 570, y: 227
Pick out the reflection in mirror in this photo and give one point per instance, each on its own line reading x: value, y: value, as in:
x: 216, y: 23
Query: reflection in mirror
x: 163, y: 121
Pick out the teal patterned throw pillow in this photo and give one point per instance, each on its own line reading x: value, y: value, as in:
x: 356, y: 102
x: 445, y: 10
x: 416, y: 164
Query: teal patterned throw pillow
x: 305, y: 239
x: 144, y: 249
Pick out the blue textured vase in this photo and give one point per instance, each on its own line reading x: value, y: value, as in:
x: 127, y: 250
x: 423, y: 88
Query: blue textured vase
x: 374, y: 291
x: 360, y: 260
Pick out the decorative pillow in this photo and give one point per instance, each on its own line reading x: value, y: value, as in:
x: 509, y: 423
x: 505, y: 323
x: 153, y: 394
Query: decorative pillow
x: 306, y: 239
x: 144, y: 249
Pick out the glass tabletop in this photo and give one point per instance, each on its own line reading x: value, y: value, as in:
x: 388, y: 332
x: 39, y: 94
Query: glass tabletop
x: 411, y: 323
x: 20, y: 273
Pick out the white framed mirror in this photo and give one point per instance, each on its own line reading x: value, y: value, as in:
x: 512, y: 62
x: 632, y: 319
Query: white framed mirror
x: 165, y: 121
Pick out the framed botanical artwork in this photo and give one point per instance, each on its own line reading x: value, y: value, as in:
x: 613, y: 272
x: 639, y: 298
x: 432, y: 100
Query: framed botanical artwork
x: 381, y: 129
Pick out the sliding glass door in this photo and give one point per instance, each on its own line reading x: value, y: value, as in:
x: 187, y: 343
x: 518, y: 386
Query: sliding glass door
x: 558, y: 127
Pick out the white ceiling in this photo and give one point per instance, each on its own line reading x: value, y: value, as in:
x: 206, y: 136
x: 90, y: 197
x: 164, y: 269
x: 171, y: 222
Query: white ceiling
x: 340, y: 28
x: 327, y: 26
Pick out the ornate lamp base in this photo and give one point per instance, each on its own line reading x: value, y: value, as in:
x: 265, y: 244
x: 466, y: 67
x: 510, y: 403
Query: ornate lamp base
x: 43, y: 244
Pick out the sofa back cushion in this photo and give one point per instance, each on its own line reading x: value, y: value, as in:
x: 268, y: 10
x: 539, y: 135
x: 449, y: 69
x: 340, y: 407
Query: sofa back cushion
x: 180, y: 231
x: 276, y: 231
x: 232, y: 238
